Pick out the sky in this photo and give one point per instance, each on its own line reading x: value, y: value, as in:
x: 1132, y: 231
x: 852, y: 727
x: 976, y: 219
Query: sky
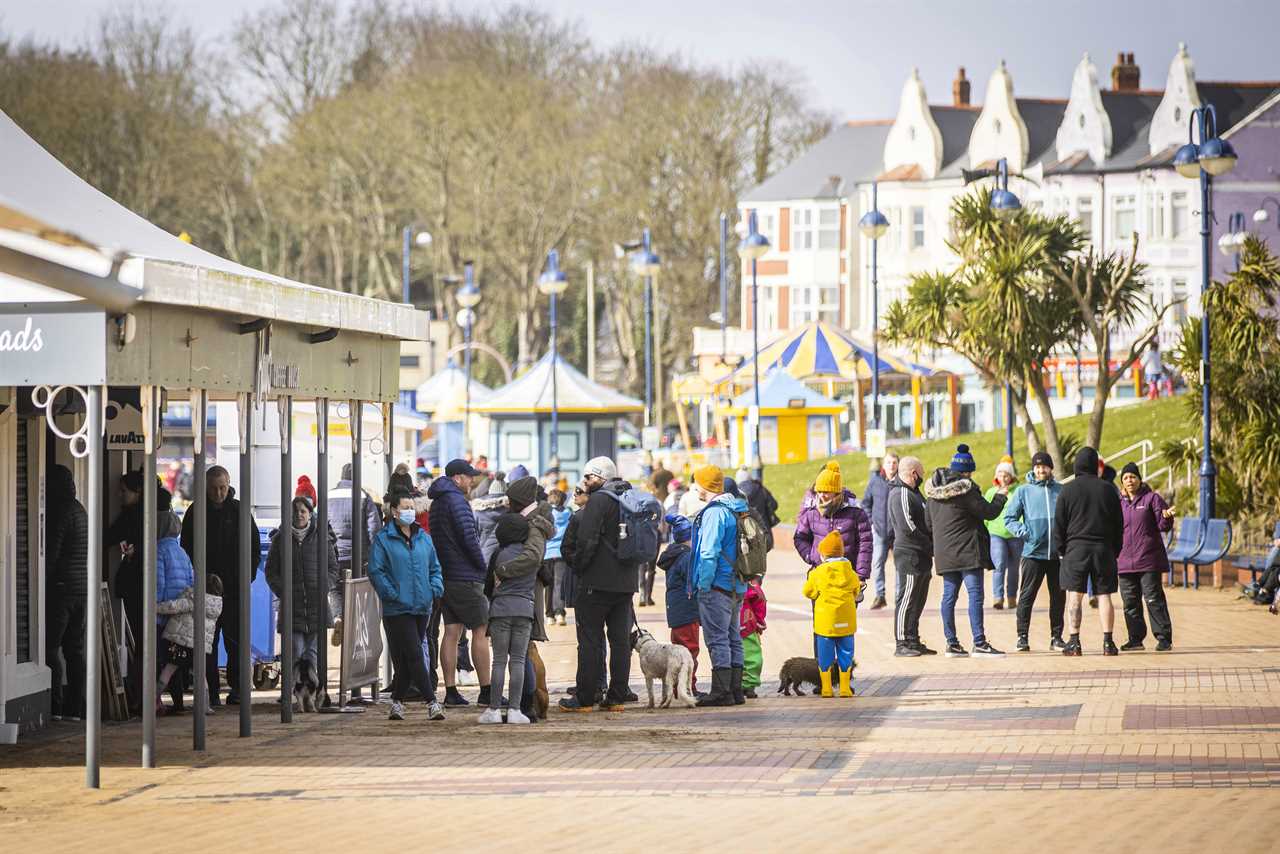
x: 853, y: 55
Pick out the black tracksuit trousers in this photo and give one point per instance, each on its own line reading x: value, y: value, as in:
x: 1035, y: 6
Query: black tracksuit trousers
x: 1035, y: 570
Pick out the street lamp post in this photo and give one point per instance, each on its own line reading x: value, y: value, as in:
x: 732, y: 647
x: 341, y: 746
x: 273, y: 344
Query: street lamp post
x: 724, y: 286
x: 1260, y: 215
x: 423, y: 239
x: 468, y: 297
x: 646, y: 264
x: 1213, y: 156
x: 873, y: 226
x: 752, y: 248
x: 553, y: 283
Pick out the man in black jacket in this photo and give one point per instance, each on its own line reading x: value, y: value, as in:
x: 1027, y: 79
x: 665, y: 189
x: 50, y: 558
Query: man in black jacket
x: 605, y: 586
x: 912, y: 555
x: 67, y: 570
x: 1089, y: 523
x: 222, y: 558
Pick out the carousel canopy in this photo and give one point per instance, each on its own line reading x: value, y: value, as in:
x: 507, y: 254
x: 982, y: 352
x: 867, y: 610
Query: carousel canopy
x: 444, y: 395
x: 820, y: 351
x: 574, y: 393
x: 781, y: 391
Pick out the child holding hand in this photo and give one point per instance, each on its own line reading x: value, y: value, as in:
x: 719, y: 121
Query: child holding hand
x: 834, y: 587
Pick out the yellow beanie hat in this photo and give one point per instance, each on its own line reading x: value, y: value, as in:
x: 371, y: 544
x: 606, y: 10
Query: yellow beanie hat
x: 710, y: 478
x: 832, y: 544
x: 829, y: 478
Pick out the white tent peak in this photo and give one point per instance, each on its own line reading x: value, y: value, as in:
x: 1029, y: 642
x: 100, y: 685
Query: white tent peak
x: 531, y: 392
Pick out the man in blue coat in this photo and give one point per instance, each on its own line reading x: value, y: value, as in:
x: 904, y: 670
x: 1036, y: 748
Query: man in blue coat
x: 1029, y: 515
x: 875, y: 501
x: 457, y: 542
x: 719, y: 590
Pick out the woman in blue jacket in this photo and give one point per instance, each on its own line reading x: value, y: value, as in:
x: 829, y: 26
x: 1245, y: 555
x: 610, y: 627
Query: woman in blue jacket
x: 405, y: 572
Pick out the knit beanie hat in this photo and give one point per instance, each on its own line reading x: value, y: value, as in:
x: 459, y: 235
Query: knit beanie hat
x: 511, y: 528
x: 1131, y: 468
x: 832, y: 545
x: 962, y: 462
x: 681, y: 527
x: 1005, y: 466
x: 1042, y: 458
x: 521, y: 493
x: 306, y: 490
x: 829, y: 479
x: 710, y: 478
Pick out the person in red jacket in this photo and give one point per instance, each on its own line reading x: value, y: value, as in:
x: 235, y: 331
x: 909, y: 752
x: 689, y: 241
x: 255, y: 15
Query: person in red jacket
x: 1143, y: 560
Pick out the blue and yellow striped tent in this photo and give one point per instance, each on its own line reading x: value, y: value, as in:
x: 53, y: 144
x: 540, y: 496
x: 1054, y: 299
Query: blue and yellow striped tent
x: 820, y: 352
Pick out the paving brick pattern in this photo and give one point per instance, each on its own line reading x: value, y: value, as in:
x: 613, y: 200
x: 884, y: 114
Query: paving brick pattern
x: 930, y: 733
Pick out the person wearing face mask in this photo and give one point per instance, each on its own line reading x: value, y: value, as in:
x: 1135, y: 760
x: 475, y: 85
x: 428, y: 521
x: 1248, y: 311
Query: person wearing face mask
x: 912, y: 555
x: 309, y: 575
x: 1029, y: 515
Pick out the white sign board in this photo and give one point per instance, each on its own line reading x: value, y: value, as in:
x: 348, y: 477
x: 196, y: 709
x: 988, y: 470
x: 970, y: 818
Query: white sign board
x: 875, y: 444
x: 52, y: 346
x: 124, y: 428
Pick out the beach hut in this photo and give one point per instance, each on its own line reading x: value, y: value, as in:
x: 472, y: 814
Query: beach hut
x: 520, y: 419
x: 796, y: 422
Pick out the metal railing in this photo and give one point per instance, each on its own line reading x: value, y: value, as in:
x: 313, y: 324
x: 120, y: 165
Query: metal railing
x: 1146, y: 446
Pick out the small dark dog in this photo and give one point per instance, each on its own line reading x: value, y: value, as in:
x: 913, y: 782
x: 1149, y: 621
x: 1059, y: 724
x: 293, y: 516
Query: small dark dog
x: 541, y: 699
x: 795, y: 672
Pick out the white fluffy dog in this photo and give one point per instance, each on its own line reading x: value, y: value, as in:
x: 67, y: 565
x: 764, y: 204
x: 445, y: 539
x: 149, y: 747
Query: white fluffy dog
x: 671, y: 663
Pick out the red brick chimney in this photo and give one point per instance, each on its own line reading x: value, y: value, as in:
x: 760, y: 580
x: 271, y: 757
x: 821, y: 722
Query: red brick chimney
x: 1125, y: 74
x: 960, y: 89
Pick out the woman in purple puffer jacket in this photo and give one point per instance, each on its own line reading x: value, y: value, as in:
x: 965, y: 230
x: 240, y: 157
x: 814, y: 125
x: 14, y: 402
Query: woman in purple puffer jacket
x: 1144, y: 560
x: 828, y: 507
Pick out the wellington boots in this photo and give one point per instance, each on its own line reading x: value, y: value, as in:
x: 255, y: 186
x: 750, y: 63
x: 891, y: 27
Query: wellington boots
x: 721, y: 692
x: 825, y: 676
x: 735, y: 686
x: 846, y: 690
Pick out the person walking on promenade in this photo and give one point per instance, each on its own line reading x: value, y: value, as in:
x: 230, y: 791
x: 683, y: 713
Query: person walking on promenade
x: 1143, y: 561
x: 875, y: 502
x: 1029, y: 515
x: 833, y: 587
x: 1089, y: 523
x: 1006, y: 547
x: 912, y: 555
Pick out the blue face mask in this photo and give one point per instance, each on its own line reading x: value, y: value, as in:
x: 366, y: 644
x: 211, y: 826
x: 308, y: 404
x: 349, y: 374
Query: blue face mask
x: 405, y: 517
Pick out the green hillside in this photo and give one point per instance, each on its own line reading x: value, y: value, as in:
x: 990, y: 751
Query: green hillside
x: 1159, y: 420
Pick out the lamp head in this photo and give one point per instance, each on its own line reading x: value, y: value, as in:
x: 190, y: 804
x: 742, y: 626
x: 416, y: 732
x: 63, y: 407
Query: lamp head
x: 645, y: 262
x: 1217, y: 156
x: 1186, y: 160
x: 1261, y: 215
x: 553, y: 280
x: 1005, y: 204
x: 873, y: 224
x: 468, y: 295
x: 423, y: 239
x: 1227, y: 244
x: 755, y: 245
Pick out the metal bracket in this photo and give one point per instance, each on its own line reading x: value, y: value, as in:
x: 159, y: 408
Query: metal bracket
x: 351, y: 359
x: 251, y: 326
x: 42, y: 397
x: 323, y: 336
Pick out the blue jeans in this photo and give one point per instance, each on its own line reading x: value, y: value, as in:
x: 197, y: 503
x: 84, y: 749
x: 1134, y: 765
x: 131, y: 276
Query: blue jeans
x: 720, y: 614
x: 951, y: 581
x: 879, y: 554
x: 1007, y: 556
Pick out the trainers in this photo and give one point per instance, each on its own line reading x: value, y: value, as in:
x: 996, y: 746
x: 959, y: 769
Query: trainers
x: 515, y: 716
x: 571, y: 704
x: 491, y: 716
x: 435, y: 712
x: 998, y: 604
x: 467, y: 678
x: 955, y: 650
x: 924, y: 650
x: 560, y: 621
x: 987, y: 649
x: 1132, y: 646
x: 1072, y: 648
x: 1164, y: 646
x: 905, y: 650
x: 452, y: 699
x: 1057, y: 644
x: 397, y: 711
x: 483, y: 699
x: 607, y: 705
x: 750, y: 694
x: 1109, y: 647
x: 1024, y: 645
x: 878, y: 603
x: 631, y: 697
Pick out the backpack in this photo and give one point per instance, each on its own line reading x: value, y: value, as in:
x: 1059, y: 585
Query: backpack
x: 753, y: 546
x: 638, y: 516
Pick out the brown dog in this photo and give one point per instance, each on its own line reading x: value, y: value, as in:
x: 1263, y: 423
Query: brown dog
x: 541, y: 699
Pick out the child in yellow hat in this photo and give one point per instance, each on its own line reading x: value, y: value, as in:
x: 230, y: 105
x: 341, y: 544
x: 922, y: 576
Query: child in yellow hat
x: 834, y: 586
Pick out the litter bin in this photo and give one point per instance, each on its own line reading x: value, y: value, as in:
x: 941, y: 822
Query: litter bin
x: 262, y: 627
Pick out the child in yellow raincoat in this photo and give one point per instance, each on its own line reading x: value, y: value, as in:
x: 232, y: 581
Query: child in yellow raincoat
x: 834, y: 586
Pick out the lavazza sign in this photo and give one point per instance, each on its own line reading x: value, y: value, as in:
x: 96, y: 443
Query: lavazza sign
x: 54, y: 345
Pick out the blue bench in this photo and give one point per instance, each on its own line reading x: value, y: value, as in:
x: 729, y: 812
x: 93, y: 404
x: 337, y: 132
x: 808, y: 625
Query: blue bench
x: 1189, y: 539
x: 1256, y: 563
x: 1213, y: 547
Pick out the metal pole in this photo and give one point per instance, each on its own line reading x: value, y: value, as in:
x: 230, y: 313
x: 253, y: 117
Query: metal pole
x: 149, y: 512
x: 648, y: 340
x: 724, y: 286
x: 404, y: 265
x: 322, y: 541
x: 249, y: 549
x: 1208, y: 472
x: 200, y: 505
x: 875, y: 316
x: 591, y: 321
x: 356, y: 411
x: 466, y: 360
x: 93, y: 594
x: 1008, y: 419
x: 284, y: 542
x: 756, y: 459
x: 555, y: 401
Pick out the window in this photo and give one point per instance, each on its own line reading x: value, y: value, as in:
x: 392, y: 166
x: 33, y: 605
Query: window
x: 801, y: 228
x: 1124, y: 218
x: 917, y: 228
x: 1178, y: 294
x: 1181, y: 219
x: 1084, y: 216
x: 829, y: 228
x: 1156, y: 216
x: 768, y: 225
x: 410, y: 361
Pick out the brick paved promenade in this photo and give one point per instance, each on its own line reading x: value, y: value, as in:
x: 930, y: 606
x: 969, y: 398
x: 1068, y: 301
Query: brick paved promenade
x: 1143, y: 752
